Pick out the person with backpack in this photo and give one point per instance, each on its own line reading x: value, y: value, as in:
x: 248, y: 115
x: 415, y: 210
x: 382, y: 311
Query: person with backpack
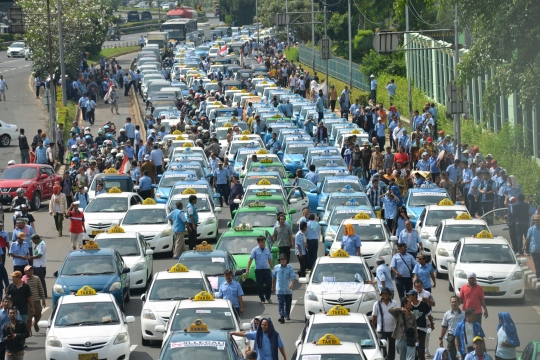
x: 405, y: 332
x: 384, y: 322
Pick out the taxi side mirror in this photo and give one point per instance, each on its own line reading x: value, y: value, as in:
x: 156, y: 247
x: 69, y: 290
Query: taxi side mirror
x: 239, y: 272
x: 246, y: 326
x: 130, y: 319
x: 313, y: 191
x: 452, y: 260
x: 432, y: 239
x: 237, y: 201
x: 320, y: 208
x: 43, y: 324
x: 323, y: 223
x: 143, y: 297
x: 126, y: 270
x: 292, y: 201
x: 291, y: 176
x: 55, y: 274
x: 393, y: 238
x: 217, y: 209
x: 303, y: 280
x: 159, y: 328
x: 149, y: 252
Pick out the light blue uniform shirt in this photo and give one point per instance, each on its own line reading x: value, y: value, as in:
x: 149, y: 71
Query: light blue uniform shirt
x: 474, y: 183
x: 145, y: 183
x: 129, y: 151
x: 261, y: 257
x: 221, y: 176
x: 433, y: 168
x: 231, y: 292
x: 313, y: 230
x: 390, y: 207
x: 19, y: 249
x: 453, y: 173
x: 130, y: 130
x: 41, y: 155
x: 533, y: 235
x: 466, y: 175
x: 179, y: 220
x: 412, y: 245
x: 265, y: 351
x: 424, y: 273
x: 379, y: 128
x: 373, y: 84
x: 383, y: 274
x: 299, y: 241
x: 422, y: 165
x: 283, y: 276
x: 501, y: 184
x: 312, y: 176
x: 350, y: 244
x: 402, y: 263
x: 213, y: 163
x: 135, y: 174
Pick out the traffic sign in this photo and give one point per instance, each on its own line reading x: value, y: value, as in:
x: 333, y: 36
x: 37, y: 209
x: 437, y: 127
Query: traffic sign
x: 385, y: 42
x: 282, y: 19
x: 326, y: 48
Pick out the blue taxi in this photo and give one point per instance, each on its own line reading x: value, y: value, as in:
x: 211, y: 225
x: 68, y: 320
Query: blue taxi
x: 341, y: 198
x: 167, y: 181
x: 417, y: 199
x: 200, y: 171
x: 318, y: 151
x: 102, y: 269
x: 293, y: 153
x: 337, y: 183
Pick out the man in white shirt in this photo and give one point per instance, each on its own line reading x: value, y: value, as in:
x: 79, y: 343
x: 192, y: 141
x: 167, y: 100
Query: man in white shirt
x: 385, y: 322
x: 3, y: 88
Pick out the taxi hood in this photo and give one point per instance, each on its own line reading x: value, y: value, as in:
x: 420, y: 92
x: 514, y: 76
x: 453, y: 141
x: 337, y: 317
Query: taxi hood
x: 93, y: 334
x: 100, y: 283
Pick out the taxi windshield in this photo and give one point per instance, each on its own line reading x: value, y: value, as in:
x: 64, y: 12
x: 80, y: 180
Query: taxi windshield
x: 322, y: 161
x: 487, y: 254
x: 87, y: 313
x: 334, y: 186
x: 145, y: 216
x: 202, y: 204
x: 367, y: 232
x: 177, y: 351
x: 237, y: 145
x: 297, y: 148
x: 340, y: 215
x: 212, y: 266
x: 12, y: 173
x: 339, y: 272
x: 278, y: 169
x: 214, y: 318
x: 434, y: 217
x: 350, y: 332
x: 255, y: 218
x: 88, y: 265
x: 107, y: 204
x: 175, y: 289
x: 125, y: 246
x: 254, y: 179
x: 334, y: 201
x: 237, y: 244
x: 424, y: 199
x: 168, y: 181
x: 452, y: 233
x: 123, y: 183
x: 277, y: 203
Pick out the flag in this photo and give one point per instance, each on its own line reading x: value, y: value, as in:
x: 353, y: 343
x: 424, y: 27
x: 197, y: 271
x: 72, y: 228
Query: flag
x: 106, y: 97
x: 123, y: 166
x: 223, y: 51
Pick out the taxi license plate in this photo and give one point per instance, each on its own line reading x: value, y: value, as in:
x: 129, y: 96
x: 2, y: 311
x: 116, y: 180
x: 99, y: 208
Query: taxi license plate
x: 490, y: 289
x: 88, y: 356
x: 94, y: 233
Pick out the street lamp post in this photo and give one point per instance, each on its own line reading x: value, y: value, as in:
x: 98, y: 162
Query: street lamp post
x: 52, y: 95
x: 62, y: 57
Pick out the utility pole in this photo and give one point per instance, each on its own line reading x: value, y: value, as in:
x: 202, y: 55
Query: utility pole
x: 52, y: 95
x: 457, y: 124
x: 408, y: 67
x: 350, y: 49
x: 62, y: 61
x: 287, y: 29
x: 327, y: 86
x: 312, y: 36
x: 257, y: 16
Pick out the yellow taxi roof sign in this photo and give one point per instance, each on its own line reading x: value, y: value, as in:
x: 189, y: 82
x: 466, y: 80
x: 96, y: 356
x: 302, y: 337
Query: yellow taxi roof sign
x: 243, y: 91
x: 116, y: 230
x: 234, y: 119
x: 149, y: 201
x: 179, y: 137
x: 188, y: 144
x: 264, y: 182
x: 260, y: 77
x: 111, y: 171
x: 204, y: 246
x: 484, y: 234
x: 246, y: 132
x: 203, y: 296
x: 340, y: 253
x: 329, y: 339
x: 189, y: 191
x: 177, y: 132
x: 178, y: 268
x: 243, y: 227
x: 264, y: 82
x: 262, y: 151
x: 214, y: 81
x: 464, y: 216
x: 217, y: 103
x: 338, y: 310
x: 445, y: 202
x: 227, y: 125
x: 362, y: 216
x: 355, y: 131
x: 256, y: 204
x: 234, y: 88
x: 86, y: 291
x: 198, y: 327
x: 114, y: 190
x: 91, y: 245
x: 267, y: 160
x: 244, y: 138
x: 263, y: 193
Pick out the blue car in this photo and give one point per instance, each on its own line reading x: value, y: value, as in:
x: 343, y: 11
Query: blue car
x: 330, y: 226
x: 166, y: 182
x: 337, y: 183
x: 101, y: 269
x: 331, y: 169
x: 200, y: 171
x: 318, y: 151
x: 200, y: 344
x: 339, y: 199
x: 213, y: 263
x: 417, y: 199
x: 293, y: 153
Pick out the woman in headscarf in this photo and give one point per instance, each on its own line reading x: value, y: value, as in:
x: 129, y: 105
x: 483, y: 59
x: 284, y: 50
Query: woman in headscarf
x: 267, y: 340
x: 507, y: 338
x: 442, y: 354
x: 350, y: 241
x: 58, y: 207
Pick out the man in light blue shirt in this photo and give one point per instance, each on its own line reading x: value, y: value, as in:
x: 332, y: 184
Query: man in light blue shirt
x: 221, y: 183
x: 300, y: 244
x: 145, y: 185
x: 434, y: 164
x: 390, y: 203
x: 351, y: 242
x: 274, y: 145
x: 417, y: 120
x: 312, y: 175
x: 373, y: 88
x: 19, y: 251
x: 130, y: 130
x: 129, y: 151
x: 411, y: 238
x: 41, y: 153
x: 402, y: 265
x: 263, y: 263
x: 384, y: 277
x: 473, y: 193
x: 391, y: 88
x: 231, y: 290
x: 213, y: 162
x: 178, y: 219
x: 319, y: 105
x: 283, y: 278
x: 380, y: 128
x: 423, y: 163
x: 157, y: 157
x: 313, y: 233
x: 257, y: 128
x: 454, y: 171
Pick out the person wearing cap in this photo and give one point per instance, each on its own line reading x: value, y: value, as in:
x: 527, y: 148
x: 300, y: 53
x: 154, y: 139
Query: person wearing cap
x: 465, y: 333
x: 380, y: 129
x: 402, y: 266
x: 532, y: 243
x: 21, y: 295
x: 22, y: 228
x: 231, y: 290
x: 423, y: 312
x: 384, y: 322
x: 283, y: 277
x: 471, y: 295
x: 38, y: 296
x: 373, y: 88
x: 76, y: 224
x: 480, y: 350
x: 28, y: 218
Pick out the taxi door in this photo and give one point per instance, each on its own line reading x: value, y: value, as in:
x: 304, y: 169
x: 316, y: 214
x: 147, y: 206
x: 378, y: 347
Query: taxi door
x: 452, y: 265
x: 46, y: 179
x: 124, y: 277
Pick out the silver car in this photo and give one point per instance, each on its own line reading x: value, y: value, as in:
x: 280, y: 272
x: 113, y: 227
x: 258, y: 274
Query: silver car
x: 16, y: 49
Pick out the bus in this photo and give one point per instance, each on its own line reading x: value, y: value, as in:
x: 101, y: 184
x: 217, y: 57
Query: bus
x: 181, y: 30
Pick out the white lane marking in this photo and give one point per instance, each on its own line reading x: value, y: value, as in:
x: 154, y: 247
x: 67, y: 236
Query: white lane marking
x: 132, y: 347
x: 7, y: 62
x: 537, y: 309
x: 292, y: 305
x: 44, y: 309
x: 13, y: 69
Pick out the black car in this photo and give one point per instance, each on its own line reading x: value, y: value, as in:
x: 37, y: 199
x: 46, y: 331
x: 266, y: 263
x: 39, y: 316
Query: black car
x: 146, y: 15
x: 133, y: 16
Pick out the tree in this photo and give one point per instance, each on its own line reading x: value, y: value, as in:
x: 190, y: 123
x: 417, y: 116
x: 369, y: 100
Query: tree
x: 374, y: 63
x: 84, y: 26
x: 241, y: 12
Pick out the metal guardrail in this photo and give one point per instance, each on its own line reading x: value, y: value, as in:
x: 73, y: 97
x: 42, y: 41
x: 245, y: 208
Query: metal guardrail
x: 120, y: 44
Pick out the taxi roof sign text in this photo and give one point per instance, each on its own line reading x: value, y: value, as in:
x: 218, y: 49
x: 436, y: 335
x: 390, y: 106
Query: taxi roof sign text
x: 340, y: 253
x: 86, y: 291
x: 329, y: 339
x: 116, y: 230
x: 198, y: 327
x: 148, y: 201
x: 91, y: 245
x: 464, y: 216
x: 445, y: 202
x: 362, y: 216
x: 114, y: 190
x: 189, y: 191
x: 178, y: 268
x: 203, y: 296
x: 338, y: 310
x: 484, y: 234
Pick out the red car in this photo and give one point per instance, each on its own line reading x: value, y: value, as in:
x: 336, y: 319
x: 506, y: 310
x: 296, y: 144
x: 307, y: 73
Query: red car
x: 36, y: 179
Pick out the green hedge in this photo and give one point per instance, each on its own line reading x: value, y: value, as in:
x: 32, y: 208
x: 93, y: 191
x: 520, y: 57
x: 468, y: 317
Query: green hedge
x: 113, y: 52
x: 65, y: 114
x: 292, y: 54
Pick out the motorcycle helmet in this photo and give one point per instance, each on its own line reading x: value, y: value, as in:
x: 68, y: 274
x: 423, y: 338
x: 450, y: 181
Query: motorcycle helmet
x: 110, y: 136
x: 200, y: 128
x: 105, y: 128
x: 88, y: 137
x: 73, y: 147
x: 122, y: 130
x: 11, y: 162
x: 75, y: 159
x: 100, y: 132
x: 114, y: 151
x: 20, y: 192
x: 120, y: 155
x: 76, y: 154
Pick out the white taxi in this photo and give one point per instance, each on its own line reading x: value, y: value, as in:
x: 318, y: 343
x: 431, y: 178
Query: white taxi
x: 217, y: 314
x: 150, y: 220
x: 167, y: 288
x: 355, y: 328
x: 87, y: 325
x: 106, y: 210
x: 207, y: 227
x: 376, y: 242
x: 329, y: 347
x: 432, y: 215
x: 339, y: 280
x: 448, y: 234
x: 135, y: 251
x: 497, y: 270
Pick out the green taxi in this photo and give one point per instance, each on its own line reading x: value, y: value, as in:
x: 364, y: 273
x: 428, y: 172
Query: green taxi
x: 267, y: 199
x: 240, y: 241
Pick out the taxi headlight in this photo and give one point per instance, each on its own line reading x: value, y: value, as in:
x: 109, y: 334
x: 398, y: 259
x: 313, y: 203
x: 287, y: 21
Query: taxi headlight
x: 442, y: 252
x: 310, y: 295
x: 137, y: 267
x: 117, y: 285
x: 165, y: 233
x: 121, y: 338
x: 210, y: 221
x: 460, y: 274
x: 370, y: 296
x: 158, y: 195
x: 385, y: 252
x: 518, y: 275
x: 57, y: 288
x: 148, y: 314
x: 53, y: 341
x: 287, y: 161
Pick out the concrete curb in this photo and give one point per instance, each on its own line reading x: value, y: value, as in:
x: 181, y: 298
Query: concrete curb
x: 530, y: 277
